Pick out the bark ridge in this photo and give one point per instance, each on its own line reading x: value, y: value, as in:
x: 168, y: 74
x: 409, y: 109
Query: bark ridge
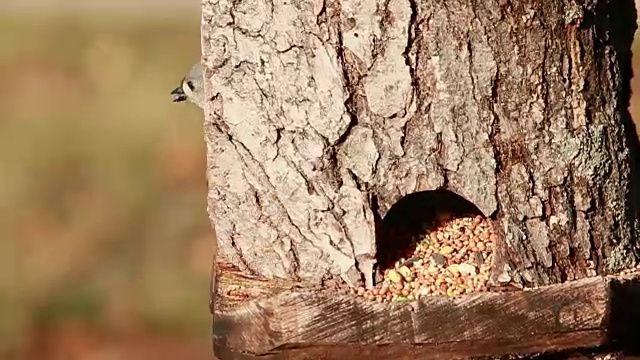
x: 324, y: 113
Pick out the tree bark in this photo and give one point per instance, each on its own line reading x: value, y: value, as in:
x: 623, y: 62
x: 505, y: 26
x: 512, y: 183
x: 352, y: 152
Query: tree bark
x: 322, y: 114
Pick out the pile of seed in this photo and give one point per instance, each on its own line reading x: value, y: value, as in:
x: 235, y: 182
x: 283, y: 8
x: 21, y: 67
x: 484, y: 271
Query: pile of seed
x: 450, y: 260
x: 632, y: 271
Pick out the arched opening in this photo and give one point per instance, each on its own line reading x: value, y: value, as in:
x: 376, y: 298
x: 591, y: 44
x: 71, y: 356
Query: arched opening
x: 431, y: 243
x: 414, y: 216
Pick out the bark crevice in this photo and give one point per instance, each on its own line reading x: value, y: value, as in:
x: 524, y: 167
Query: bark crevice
x: 324, y: 114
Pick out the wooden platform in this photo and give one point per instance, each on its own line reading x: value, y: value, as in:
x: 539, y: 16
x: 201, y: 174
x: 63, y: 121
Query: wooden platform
x: 311, y: 324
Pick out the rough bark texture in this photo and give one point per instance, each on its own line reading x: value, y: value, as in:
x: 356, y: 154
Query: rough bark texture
x: 324, y: 113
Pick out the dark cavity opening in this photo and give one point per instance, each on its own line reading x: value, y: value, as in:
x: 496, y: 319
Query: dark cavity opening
x: 414, y: 215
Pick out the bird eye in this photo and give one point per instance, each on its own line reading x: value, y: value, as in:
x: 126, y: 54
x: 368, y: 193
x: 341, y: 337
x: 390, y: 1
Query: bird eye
x: 190, y: 85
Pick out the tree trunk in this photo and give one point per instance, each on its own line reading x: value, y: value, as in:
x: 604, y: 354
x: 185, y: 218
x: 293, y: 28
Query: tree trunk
x: 331, y: 124
x: 323, y: 114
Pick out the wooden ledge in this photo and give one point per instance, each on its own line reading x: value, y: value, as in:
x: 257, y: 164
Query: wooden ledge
x: 306, y: 324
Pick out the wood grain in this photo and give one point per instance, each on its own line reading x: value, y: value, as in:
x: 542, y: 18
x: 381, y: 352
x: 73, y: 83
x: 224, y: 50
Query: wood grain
x: 300, y: 323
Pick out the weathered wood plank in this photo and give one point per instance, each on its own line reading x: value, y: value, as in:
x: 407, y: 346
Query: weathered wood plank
x: 300, y: 324
x: 458, y: 350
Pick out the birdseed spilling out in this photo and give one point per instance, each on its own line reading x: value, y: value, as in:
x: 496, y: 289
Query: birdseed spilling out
x: 631, y: 271
x: 452, y: 259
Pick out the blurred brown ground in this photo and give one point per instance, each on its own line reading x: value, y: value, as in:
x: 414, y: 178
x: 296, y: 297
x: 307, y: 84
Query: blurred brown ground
x: 107, y: 247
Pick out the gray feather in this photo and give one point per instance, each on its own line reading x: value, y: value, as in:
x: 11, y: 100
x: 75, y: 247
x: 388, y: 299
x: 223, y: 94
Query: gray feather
x: 191, y: 87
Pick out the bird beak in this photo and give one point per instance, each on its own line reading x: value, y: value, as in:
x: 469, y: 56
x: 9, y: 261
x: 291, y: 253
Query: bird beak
x: 178, y: 94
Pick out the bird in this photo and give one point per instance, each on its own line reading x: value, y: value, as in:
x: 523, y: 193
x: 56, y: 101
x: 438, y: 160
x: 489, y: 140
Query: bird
x: 191, y: 87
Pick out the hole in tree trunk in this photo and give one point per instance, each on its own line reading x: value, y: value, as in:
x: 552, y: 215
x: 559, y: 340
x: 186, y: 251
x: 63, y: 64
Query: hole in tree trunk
x: 431, y: 243
x: 414, y: 216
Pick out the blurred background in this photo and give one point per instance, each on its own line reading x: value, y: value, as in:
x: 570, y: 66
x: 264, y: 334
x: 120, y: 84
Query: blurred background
x: 106, y: 251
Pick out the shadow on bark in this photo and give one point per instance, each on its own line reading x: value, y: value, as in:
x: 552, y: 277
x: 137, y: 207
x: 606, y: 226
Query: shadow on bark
x: 622, y: 26
x: 413, y: 216
x: 625, y: 316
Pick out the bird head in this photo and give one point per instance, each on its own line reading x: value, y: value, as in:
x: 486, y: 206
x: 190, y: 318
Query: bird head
x: 191, y: 87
